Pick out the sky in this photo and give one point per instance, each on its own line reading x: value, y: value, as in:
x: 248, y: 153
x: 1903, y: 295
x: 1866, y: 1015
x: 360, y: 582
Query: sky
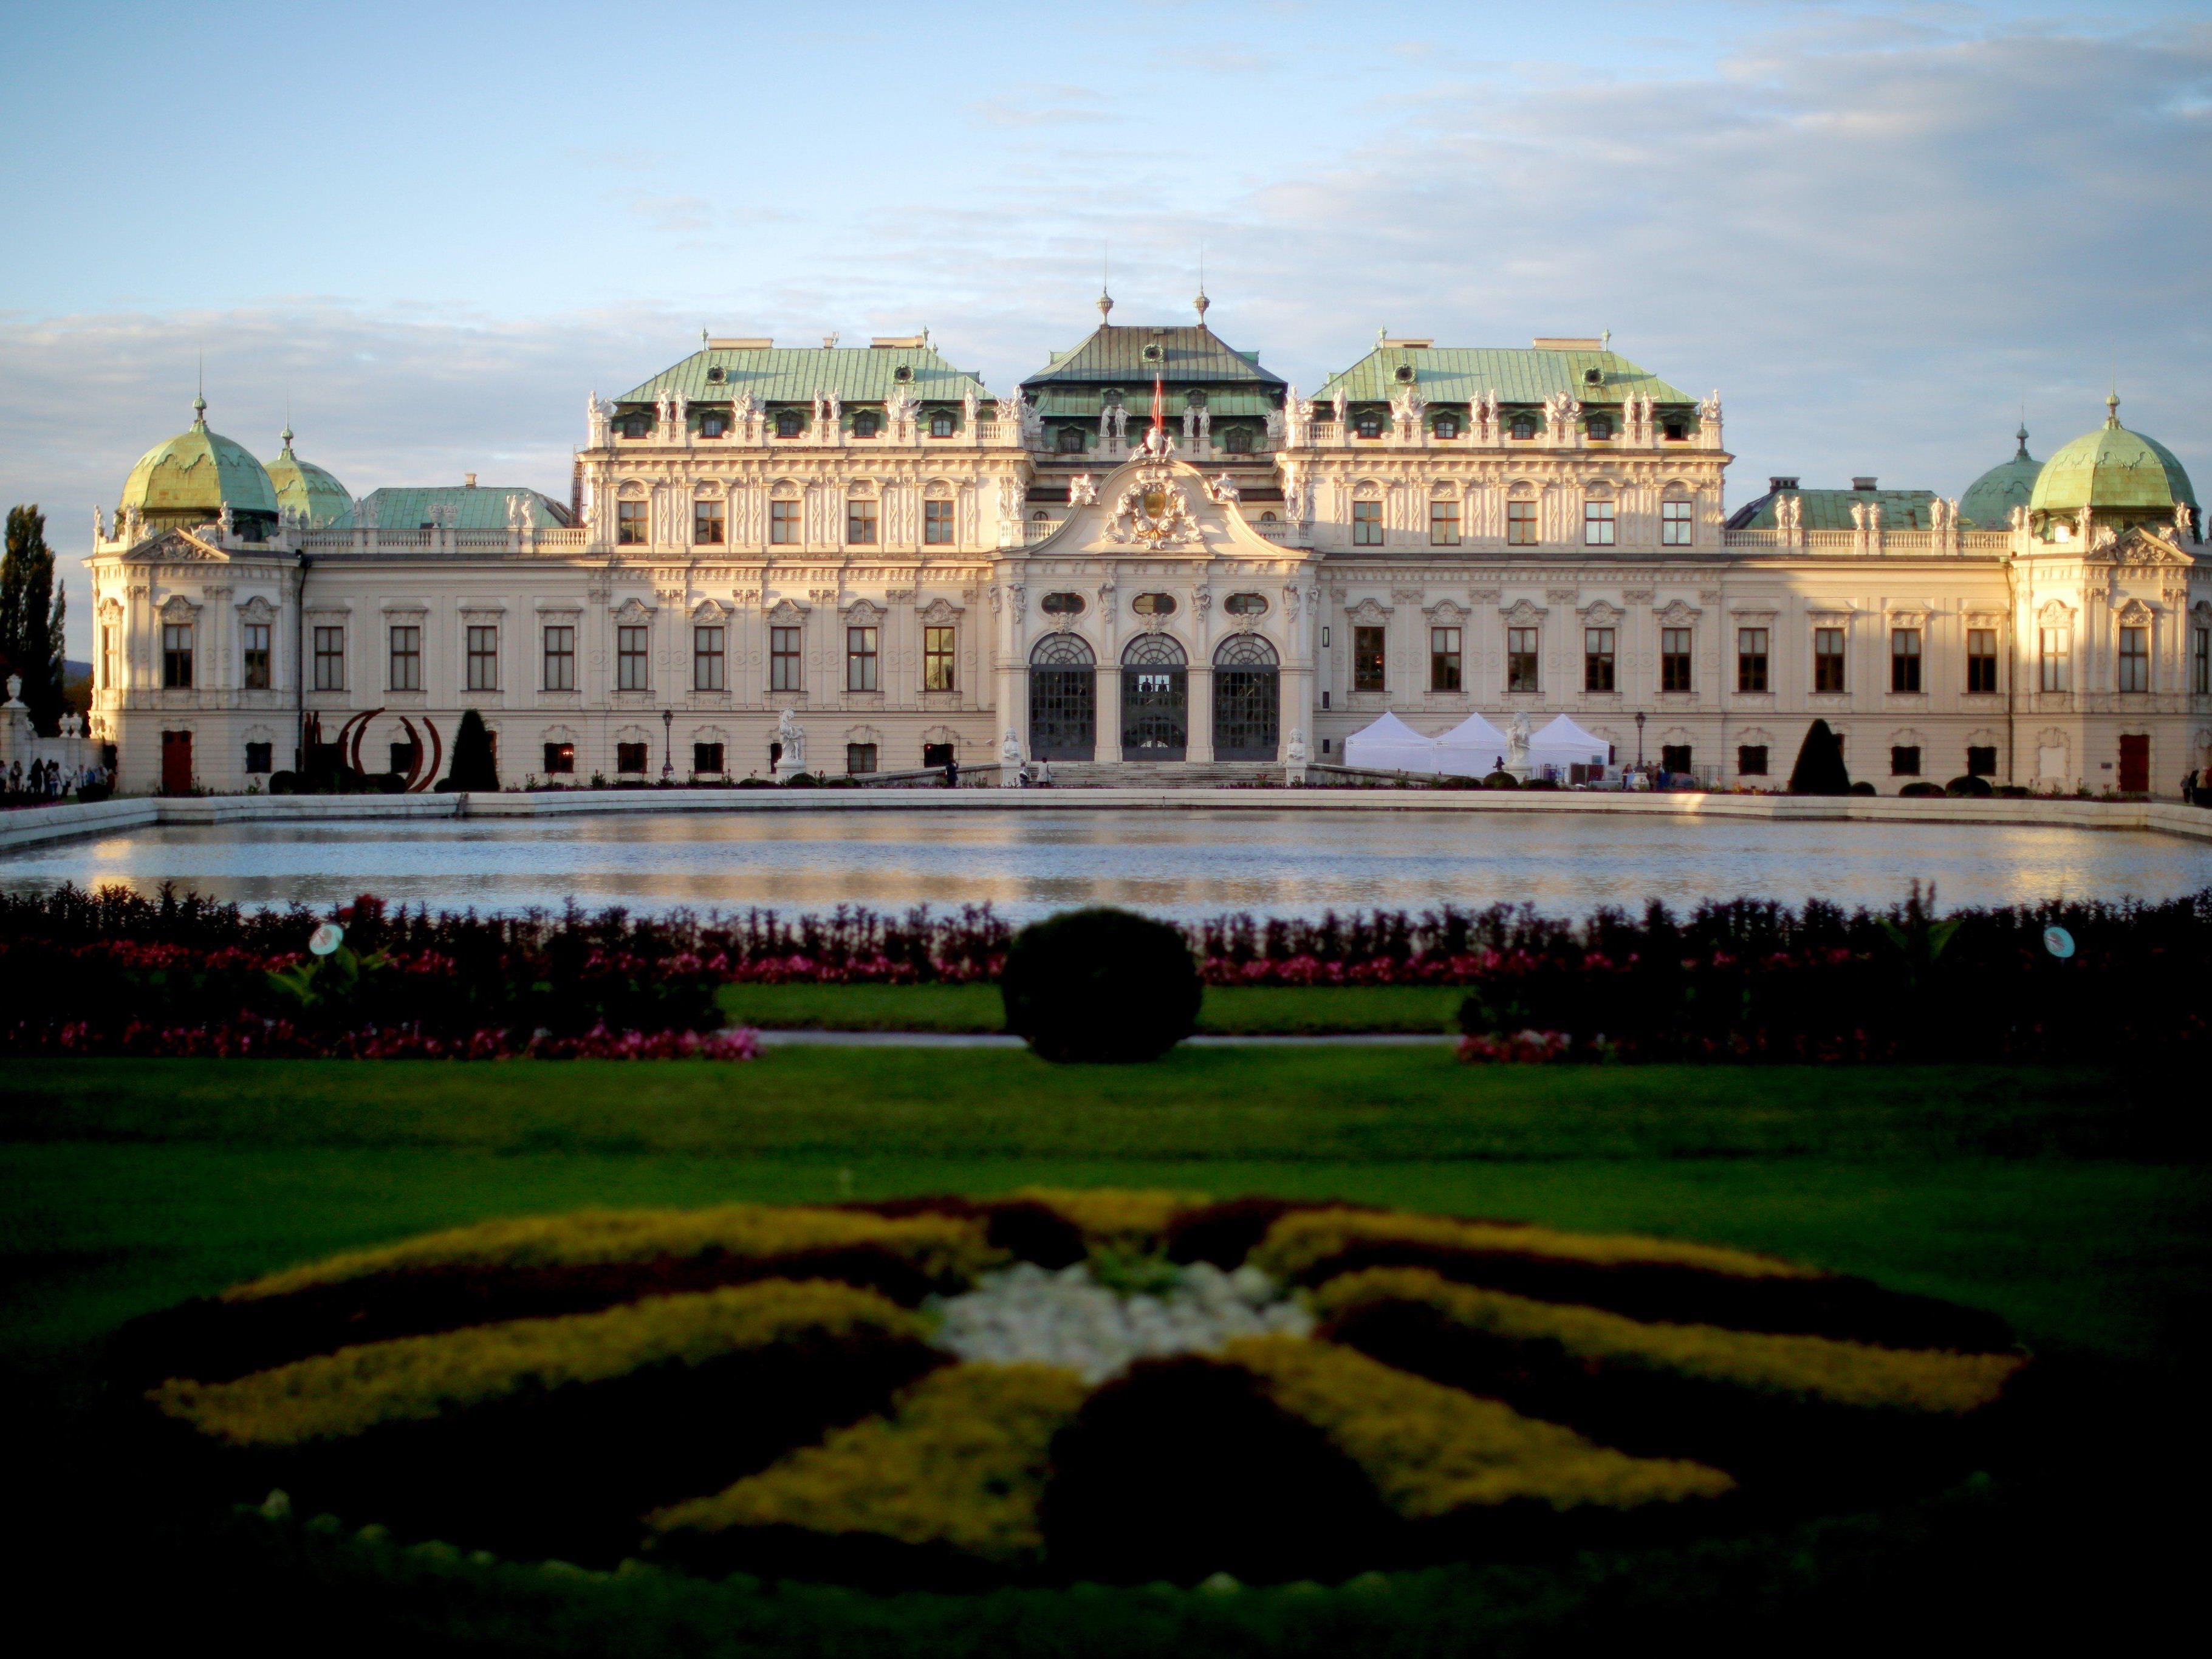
x: 423, y: 234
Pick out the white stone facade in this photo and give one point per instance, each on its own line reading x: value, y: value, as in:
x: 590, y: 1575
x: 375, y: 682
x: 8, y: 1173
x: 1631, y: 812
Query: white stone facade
x: 887, y: 582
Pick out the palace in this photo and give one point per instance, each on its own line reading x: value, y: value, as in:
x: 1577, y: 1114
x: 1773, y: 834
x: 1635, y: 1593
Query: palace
x: 1152, y: 561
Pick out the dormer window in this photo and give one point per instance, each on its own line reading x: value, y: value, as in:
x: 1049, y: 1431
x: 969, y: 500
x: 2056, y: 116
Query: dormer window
x: 940, y: 423
x: 1071, y: 440
x: 867, y: 424
x: 1600, y: 428
x: 713, y: 425
x: 1368, y: 424
x: 1525, y: 427
x: 1405, y: 375
x: 1676, y: 432
x: 1237, y: 441
x: 1155, y: 353
x: 903, y: 374
x: 1448, y: 426
x: 787, y: 423
x: 634, y: 426
x: 716, y: 374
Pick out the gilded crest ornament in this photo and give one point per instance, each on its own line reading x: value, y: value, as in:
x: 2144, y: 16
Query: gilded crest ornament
x: 1153, y: 512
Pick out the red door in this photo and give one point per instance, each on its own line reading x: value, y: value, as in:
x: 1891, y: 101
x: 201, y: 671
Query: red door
x: 2135, y: 766
x: 176, y: 762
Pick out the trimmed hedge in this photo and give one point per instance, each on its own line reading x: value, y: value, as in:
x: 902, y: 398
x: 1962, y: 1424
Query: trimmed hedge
x: 1101, y: 985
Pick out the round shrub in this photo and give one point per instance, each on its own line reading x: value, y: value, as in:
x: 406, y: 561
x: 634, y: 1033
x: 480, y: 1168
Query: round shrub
x: 1921, y: 790
x: 1501, y: 781
x: 1101, y: 985
x: 1971, y: 788
x: 1862, y: 787
x: 1541, y: 783
x: 804, y: 780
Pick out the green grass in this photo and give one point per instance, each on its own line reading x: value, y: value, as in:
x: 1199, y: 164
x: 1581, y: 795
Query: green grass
x: 1263, y: 1011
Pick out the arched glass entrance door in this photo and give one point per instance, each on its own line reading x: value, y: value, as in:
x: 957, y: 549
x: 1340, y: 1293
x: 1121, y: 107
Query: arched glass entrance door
x: 1155, y: 699
x: 1248, y: 699
x: 1063, y: 699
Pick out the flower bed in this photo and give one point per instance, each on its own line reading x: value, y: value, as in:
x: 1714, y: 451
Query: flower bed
x: 911, y: 1399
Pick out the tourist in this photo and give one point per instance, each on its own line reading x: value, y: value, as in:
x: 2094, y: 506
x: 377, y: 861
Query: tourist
x: 952, y: 772
x: 2189, y: 786
x: 1044, y: 772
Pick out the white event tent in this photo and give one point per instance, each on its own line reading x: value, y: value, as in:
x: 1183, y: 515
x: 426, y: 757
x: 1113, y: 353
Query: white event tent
x: 1472, y: 749
x: 1563, y: 744
x: 1390, y: 746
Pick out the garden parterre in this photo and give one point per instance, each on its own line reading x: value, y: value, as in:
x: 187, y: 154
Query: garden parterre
x: 751, y: 1388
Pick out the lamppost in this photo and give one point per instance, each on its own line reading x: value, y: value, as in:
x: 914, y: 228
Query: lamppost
x: 1639, y: 741
x: 668, y: 747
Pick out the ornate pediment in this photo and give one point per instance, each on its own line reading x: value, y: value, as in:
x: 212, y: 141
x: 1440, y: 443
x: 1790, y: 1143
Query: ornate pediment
x: 863, y: 613
x: 1153, y: 512
x: 2136, y: 614
x: 2055, y: 614
x: 177, y: 547
x: 1677, y: 614
x: 712, y: 610
x: 1368, y: 611
x: 2142, y: 546
x: 1444, y: 614
x: 633, y: 609
x: 1598, y: 614
x: 939, y: 610
x: 788, y: 613
x: 257, y: 610
x: 178, y: 608
x: 1523, y: 614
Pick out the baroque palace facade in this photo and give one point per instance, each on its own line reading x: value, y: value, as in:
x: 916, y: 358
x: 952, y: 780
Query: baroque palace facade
x: 918, y: 570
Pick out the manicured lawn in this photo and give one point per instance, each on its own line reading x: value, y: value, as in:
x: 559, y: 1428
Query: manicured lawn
x: 2075, y: 1204
x: 1263, y: 1011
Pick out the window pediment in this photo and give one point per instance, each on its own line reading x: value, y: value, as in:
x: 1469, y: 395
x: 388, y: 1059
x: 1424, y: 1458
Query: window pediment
x: 1523, y: 614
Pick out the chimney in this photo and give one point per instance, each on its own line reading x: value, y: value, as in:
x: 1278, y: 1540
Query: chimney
x: 1863, y: 483
x: 471, y: 483
x: 1776, y: 486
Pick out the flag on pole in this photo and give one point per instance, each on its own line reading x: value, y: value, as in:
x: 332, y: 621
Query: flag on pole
x: 1159, y: 406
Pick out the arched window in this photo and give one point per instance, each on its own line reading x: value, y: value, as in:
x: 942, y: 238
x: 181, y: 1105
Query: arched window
x: 867, y: 424
x: 1524, y: 426
x: 1368, y: 424
x: 940, y: 423
x: 1063, y: 697
x: 1448, y: 426
x: 1247, y: 701
x: 1155, y: 699
x: 787, y: 423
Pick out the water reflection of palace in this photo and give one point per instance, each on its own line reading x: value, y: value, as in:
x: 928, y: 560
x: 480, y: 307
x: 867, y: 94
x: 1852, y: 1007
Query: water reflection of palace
x: 1155, y: 559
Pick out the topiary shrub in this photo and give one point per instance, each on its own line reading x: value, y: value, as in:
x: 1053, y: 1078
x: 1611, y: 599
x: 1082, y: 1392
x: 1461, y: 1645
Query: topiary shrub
x: 1862, y: 787
x: 1100, y: 985
x: 804, y: 780
x: 1501, y: 781
x: 1820, y: 770
x: 1923, y: 790
x: 1969, y: 787
x: 473, y: 766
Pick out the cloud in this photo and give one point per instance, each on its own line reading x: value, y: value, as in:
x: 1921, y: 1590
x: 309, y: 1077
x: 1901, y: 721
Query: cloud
x: 1043, y: 107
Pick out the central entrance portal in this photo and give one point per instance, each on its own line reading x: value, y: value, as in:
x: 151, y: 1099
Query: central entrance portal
x: 1155, y: 699
x: 1063, y: 699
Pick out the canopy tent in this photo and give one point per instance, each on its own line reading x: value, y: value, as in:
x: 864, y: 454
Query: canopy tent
x: 1472, y: 749
x: 1390, y: 746
x: 1563, y: 744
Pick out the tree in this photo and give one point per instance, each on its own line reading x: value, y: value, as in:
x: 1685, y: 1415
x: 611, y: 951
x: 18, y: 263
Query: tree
x: 1820, y: 770
x: 474, y: 767
x: 32, y: 615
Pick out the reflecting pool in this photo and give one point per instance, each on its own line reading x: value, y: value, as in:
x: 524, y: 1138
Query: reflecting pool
x: 1185, y: 863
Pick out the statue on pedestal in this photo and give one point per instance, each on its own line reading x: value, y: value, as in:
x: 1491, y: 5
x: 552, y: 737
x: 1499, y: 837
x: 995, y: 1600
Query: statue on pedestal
x: 1294, y: 758
x: 1009, y: 760
x: 1517, y: 747
x: 792, y: 759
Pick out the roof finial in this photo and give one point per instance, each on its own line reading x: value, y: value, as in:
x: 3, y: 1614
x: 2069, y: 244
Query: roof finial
x: 1201, y: 302
x: 199, y: 398
x: 1605, y: 339
x: 1105, y: 267
x: 2112, y: 407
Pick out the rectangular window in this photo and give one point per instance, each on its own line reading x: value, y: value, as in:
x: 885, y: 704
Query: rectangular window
x: 1674, y: 524
x: 707, y: 525
x: 1367, y: 659
x: 782, y: 522
x: 1674, y: 660
x: 859, y: 757
x: 1521, y: 660
x: 1981, y: 760
x: 1751, y: 660
x: 561, y: 659
x: 937, y: 524
x: 629, y: 524
x: 560, y: 759
x: 483, y: 658
x: 406, y: 657
x: 1598, y: 659
x: 2054, y: 652
x: 860, y: 523
x: 631, y: 658
x: 1367, y: 524
x: 1443, y: 660
x: 1981, y: 660
x: 783, y: 659
x: 1520, y: 524
x: 707, y: 659
x: 1904, y: 659
x: 936, y: 674
x: 1904, y: 760
x: 706, y: 759
x: 2200, y: 662
x: 1674, y: 758
x: 861, y: 660
x: 330, y: 660
x: 2135, y: 659
x: 1751, y: 760
x: 1827, y: 659
x: 1597, y: 523
x: 257, y: 757
x: 1443, y: 523
x: 257, y: 656
x: 107, y: 656
x: 629, y: 757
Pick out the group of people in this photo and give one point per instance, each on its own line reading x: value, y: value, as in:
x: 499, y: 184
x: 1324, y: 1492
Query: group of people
x: 47, y: 780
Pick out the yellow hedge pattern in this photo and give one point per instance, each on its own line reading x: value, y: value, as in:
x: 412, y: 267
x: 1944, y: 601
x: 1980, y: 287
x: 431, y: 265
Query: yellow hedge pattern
x: 1131, y: 1221
x: 419, y: 1378
x: 960, y: 1462
x: 1302, y: 1238
x: 1810, y: 1368
x: 951, y: 1245
x: 1431, y: 1449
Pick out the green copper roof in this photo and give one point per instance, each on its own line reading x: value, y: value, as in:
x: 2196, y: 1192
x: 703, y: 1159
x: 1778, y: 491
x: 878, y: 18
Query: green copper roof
x: 2111, y: 469
x: 474, y: 507
x: 1459, y: 374
x: 779, y: 375
x: 1114, y: 356
x: 313, y: 494
x: 1831, y: 509
x: 1083, y: 403
x: 196, y: 474
x: 1990, y: 500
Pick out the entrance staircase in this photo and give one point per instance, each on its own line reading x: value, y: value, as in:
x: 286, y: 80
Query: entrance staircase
x: 1164, y: 775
